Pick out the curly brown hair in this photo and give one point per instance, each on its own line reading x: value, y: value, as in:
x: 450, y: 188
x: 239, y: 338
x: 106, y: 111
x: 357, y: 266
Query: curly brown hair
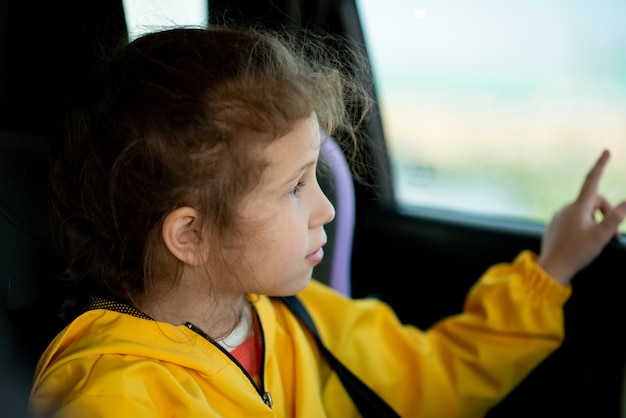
x: 177, y: 118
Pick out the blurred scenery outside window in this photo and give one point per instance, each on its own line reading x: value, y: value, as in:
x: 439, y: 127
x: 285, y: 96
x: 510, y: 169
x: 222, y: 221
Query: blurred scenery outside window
x: 499, y: 108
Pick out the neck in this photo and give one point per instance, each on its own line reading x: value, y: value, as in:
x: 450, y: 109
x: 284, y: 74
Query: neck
x: 215, y: 314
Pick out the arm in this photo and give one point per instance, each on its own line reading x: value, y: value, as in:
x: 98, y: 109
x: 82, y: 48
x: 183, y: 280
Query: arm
x: 511, y: 322
x: 523, y: 301
x: 465, y: 363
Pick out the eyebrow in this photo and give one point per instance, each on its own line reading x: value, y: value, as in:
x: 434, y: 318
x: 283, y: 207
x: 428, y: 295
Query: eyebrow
x: 299, y: 172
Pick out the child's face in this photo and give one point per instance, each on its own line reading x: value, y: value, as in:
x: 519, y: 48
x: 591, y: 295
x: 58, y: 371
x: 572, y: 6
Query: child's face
x: 284, y: 216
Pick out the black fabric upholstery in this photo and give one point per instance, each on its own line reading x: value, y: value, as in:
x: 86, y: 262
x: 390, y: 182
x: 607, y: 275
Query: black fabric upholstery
x: 25, y: 261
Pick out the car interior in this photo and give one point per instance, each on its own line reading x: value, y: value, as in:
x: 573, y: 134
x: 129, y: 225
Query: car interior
x: 421, y: 262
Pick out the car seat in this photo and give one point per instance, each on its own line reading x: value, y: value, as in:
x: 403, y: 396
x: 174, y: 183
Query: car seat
x: 335, y: 268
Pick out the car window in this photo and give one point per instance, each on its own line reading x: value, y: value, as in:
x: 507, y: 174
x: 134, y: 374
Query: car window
x: 147, y: 15
x: 495, y: 108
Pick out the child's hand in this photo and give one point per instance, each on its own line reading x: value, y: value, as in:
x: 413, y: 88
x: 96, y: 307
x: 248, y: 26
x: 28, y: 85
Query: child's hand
x: 574, y: 237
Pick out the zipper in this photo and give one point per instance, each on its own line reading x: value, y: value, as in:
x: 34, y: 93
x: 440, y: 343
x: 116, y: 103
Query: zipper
x: 102, y: 303
x: 265, y: 396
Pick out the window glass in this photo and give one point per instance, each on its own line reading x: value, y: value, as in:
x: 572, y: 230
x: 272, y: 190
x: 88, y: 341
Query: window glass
x: 148, y: 15
x: 498, y: 107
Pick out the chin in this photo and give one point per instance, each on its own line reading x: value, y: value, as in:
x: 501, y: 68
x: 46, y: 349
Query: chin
x: 293, y: 287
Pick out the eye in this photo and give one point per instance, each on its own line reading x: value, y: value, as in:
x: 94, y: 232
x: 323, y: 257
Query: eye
x: 296, y: 189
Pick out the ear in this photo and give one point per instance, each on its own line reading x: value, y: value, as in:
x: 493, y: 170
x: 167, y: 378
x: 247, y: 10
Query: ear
x: 182, y: 236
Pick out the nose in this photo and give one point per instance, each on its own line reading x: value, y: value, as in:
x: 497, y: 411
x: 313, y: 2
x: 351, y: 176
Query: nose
x: 324, y: 211
x: 329, y: 209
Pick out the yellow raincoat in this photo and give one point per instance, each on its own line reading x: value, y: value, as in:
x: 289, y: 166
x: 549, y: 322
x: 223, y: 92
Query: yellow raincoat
x: 108, y: 363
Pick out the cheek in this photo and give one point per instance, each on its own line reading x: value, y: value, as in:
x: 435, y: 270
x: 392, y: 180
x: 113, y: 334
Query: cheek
x: 259, y: 239
x: 281, y: 241
x: 271, y: 232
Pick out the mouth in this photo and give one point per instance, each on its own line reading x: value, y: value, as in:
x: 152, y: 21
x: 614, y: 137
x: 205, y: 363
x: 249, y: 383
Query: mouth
x: 316, y: 256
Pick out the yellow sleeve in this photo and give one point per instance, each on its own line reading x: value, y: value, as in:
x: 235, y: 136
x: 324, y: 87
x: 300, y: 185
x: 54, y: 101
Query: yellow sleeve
x: 512, y: 321
x: 464, y: 364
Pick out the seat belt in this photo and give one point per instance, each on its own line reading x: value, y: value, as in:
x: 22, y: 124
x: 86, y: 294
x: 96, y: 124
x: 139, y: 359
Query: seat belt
x: 366, y: 400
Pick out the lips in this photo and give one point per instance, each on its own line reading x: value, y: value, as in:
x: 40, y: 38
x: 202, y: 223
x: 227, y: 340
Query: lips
x: 316, y: 256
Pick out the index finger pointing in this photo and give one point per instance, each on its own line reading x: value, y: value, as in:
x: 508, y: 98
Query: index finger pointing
x: 590, y: 186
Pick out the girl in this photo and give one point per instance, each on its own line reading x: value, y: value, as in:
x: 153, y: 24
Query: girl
x: 188, y: 200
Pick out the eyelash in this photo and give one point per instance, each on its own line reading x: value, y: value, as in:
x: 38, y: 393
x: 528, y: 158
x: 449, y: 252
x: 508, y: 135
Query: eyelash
x: 296, y: 190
